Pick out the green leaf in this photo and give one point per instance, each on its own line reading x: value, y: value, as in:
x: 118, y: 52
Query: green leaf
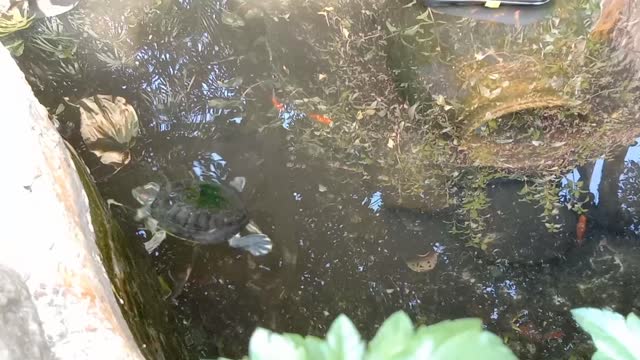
x: 266, y: 345
x: 317, y: 349
x: 473, y: 345
x: 613, y: 336
x: 344, y: 340
x: 459, y: 339
x: 392, y: 337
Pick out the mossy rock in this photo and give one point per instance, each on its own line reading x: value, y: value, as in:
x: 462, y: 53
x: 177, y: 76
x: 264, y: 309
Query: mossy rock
x: 134, y: 280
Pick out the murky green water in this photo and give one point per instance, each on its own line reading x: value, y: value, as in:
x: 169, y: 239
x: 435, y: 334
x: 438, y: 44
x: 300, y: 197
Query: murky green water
x: 348, y: 205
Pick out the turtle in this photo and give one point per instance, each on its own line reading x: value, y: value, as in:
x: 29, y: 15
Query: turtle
x: 200, y: 212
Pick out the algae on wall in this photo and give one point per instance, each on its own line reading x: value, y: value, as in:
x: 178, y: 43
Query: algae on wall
x: 134, y: 280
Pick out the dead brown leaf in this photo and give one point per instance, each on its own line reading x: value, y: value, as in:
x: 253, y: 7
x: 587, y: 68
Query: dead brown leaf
x: 423, y: 263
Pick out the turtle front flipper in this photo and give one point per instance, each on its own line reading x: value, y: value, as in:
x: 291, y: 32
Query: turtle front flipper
x: 256, y: 244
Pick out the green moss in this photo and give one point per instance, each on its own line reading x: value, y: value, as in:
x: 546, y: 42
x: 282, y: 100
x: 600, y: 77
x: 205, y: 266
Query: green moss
x: 134, y: 280
x: 207, y: 196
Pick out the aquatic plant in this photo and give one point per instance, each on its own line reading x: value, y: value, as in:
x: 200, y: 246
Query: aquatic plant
x: 614, y: 337
x: 397, y: 338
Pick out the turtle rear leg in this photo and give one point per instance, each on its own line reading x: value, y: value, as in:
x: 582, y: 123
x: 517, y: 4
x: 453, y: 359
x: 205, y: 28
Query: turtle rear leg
x: 181, y: 280
x: 256, y: 244
x: 157, y: 239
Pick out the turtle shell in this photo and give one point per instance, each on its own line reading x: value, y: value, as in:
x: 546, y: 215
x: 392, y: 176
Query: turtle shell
x: 198, y: 211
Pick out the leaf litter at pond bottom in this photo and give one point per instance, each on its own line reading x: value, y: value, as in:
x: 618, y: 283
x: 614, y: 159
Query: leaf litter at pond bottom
x: 423, y: 263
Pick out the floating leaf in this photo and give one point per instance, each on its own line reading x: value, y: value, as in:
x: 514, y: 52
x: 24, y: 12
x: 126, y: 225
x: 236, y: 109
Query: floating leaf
x: 108, y: 126
x: 423, y: 263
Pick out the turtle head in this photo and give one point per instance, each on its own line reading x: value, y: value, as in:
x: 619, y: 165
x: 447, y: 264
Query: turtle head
x: 238, y: 183
x: 146, y: 194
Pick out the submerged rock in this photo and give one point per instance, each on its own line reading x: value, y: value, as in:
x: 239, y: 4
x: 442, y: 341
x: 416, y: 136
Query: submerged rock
x: 21, y: 334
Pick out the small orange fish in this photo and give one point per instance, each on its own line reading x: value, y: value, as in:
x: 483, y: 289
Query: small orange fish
x: 581, y: 229
x: 277, y: 104
x: 321, y: 119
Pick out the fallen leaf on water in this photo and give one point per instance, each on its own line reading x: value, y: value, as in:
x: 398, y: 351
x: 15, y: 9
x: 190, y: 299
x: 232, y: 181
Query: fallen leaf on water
x: 108, y: 126
x: 423, y: 263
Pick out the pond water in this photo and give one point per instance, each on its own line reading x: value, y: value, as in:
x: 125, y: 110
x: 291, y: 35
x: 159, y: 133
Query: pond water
x: 479, y: 141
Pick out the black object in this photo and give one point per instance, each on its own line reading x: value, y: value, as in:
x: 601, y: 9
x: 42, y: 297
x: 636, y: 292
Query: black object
x: 518, y: 12
x: 482, y: 2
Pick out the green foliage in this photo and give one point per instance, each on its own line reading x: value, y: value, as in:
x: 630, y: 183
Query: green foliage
x: 614, y: 336
x: 545, y: 193
x: 396, y: 339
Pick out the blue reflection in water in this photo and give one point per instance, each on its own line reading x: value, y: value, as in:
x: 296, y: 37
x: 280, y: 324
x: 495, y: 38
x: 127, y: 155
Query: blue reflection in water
x: 627, y: 195
x: 237, y: 119
x: 289, y: 115
x: 633, y: 153
x: 510, y: 288
x: 197, y: 169
x: 573, y: 177
x: 216, y: 167
x: 596, y: 178
x: 494, y: 315
x: 375, y: 201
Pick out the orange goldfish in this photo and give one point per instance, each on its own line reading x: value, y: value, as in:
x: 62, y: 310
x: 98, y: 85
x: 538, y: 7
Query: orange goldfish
x: 581, y: 229
x: 321, y: 119
x: 277, y: 104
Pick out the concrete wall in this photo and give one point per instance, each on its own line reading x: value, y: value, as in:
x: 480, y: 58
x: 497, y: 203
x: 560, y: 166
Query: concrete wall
x: 47, y: 238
